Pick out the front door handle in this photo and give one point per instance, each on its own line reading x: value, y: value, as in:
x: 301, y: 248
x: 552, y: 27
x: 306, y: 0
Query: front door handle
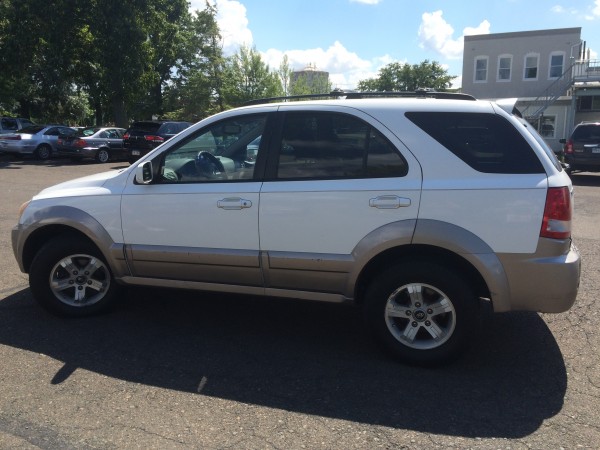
x: 389, y: 202
x: 234, y: 203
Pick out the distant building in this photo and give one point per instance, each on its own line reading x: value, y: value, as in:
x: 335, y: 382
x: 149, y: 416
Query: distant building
x: 312, y: 79
x: 548, y: 71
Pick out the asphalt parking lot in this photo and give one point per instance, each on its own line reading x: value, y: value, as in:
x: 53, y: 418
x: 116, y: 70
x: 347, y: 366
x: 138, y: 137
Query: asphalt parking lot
x: 175, y: 370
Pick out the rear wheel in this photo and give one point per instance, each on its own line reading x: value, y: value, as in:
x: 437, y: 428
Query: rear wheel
x: 423, y: 313
x: 43, y: 152
x: 70, y: 277
x: 102, y: 155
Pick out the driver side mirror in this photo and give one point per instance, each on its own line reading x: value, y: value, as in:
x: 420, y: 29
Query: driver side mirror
x: 143, y: 173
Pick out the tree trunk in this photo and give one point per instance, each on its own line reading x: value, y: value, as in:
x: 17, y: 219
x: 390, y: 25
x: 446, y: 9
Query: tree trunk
x: 119, y: 112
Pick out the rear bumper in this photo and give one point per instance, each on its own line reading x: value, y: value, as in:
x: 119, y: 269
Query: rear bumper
x: 542, y: 282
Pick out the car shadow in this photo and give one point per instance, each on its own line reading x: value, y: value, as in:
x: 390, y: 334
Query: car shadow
x: 306, y: 357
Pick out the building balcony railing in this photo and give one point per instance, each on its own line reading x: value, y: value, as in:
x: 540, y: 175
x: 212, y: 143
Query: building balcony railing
x: 588, y: 70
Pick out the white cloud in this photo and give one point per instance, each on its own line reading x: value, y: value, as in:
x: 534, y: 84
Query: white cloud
x: 233, y: 23
x: 366, y: 2
x: 595, y: 11
x: 345, y: 68
x: 436, y: 34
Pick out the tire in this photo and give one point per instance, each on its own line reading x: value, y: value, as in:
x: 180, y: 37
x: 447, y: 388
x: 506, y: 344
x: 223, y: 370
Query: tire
x: 422, y: 313
x: 102, y: 155
x: 43, y: 152
x: 69, y: 277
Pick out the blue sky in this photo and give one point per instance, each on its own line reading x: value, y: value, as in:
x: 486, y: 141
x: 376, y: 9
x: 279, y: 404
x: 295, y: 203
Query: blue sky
x: 353, y: 39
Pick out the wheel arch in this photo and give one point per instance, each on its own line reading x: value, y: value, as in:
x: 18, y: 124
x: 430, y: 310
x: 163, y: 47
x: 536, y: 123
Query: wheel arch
x: 442, y: 243
x: 421, y: 253
x: 60, y: 221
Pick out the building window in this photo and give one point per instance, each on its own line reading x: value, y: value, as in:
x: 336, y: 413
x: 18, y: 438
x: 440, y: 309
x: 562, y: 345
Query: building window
x: 504, y: 67
x: 557, y: 61
x: 531, y: 67
x: 481, y: 65
x: 547, y: 126
x: 588, y: 103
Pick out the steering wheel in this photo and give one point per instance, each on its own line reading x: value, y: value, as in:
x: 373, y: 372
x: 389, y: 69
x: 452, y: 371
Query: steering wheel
x: 209, y: 164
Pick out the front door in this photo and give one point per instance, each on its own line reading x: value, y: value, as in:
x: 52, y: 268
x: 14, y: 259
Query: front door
x: 198, y: 222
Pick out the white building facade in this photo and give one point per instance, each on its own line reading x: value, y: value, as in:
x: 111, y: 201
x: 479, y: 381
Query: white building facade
x: 548, y: 71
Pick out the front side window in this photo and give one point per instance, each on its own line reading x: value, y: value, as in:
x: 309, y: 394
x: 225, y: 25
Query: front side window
x: 487, y: 142
x: 223, y: 151
x: 556, y: 65
x: 531, y: 67
x: 481, y: 64
x: 504, y: 67
x: 332, y: 145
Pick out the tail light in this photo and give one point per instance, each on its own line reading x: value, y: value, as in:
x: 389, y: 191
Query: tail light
x: 155, y: 139
x: 569, y: 147
x: 126, y: 136
x: 79, y: 143
x: 557, y: 214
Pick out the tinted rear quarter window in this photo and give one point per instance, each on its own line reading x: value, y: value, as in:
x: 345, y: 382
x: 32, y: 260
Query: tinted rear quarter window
x: 486, y: 142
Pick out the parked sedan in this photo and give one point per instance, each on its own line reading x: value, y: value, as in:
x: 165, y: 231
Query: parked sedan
x: 101, y: 144
x: 37, y: 140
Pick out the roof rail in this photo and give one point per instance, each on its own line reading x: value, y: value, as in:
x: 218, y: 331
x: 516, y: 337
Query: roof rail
x: 339, y: 94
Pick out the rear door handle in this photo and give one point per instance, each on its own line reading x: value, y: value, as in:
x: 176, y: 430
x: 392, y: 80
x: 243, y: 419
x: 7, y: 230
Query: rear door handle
x: 234, y: 203
x: 389, y: 202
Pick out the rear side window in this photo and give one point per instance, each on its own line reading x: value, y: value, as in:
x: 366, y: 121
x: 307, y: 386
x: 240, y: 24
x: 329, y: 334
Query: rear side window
x: 486, y: 142
x: 333, y: 145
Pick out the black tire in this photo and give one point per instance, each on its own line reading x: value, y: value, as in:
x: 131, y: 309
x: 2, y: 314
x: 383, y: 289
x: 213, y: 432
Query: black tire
x: 422, y: 313
x: 70, y: 277
x: 43, y: 152
x: 102, y: 155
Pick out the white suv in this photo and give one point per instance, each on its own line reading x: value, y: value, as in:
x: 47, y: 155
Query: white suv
x: 419, y: 210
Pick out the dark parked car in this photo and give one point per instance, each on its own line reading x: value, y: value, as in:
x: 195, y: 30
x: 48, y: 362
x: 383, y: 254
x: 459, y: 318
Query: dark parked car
x: 144, y: 136
x: 101, y: 144
x: 582, y: 149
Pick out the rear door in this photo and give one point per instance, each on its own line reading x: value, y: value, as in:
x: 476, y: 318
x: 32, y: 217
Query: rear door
x: 335, y: 179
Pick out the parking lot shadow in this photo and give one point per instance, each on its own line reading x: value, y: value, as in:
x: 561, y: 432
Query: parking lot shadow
x: 306, y: 357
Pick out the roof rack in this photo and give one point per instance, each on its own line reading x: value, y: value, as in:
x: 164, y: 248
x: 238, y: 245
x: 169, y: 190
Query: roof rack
x: 339, y: 94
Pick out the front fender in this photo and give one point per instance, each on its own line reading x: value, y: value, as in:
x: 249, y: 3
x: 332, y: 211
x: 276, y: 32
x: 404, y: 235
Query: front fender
x: 33, y: 232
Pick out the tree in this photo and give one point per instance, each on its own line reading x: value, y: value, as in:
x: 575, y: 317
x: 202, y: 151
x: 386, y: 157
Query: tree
x: 399, y: 76
x: 285, y: 75
x: 248, y: 77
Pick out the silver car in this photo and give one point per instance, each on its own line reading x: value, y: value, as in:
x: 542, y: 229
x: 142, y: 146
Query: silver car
x: 37, y: 140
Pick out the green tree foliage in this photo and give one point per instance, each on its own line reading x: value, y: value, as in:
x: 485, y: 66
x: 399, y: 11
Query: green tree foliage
x: 125, y: 56
x: 399, y: 76
x: 247, y: 77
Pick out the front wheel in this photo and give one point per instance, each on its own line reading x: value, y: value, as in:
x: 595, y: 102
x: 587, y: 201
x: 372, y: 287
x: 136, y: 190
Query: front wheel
x: 70, y: 277
x: 423, y: 313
